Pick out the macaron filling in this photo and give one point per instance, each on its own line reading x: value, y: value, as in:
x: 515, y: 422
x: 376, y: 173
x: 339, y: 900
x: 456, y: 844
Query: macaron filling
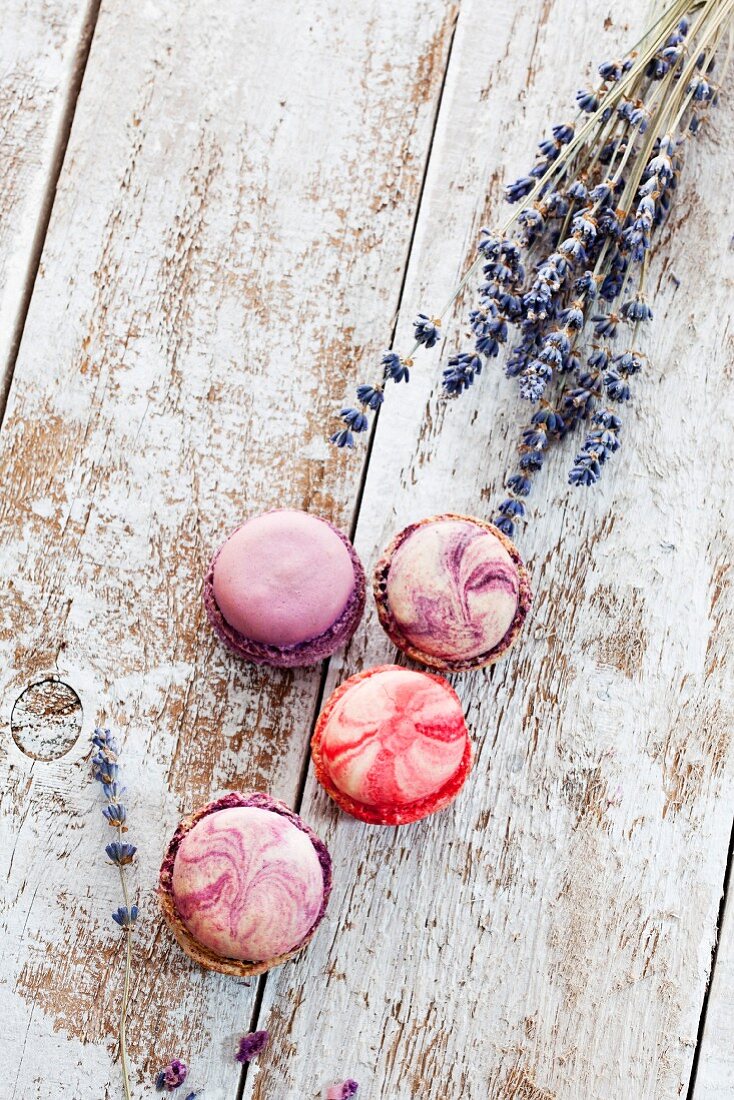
x: 248, y: 882
x: 452, y: 592
x: 287, y: 588
x: 391, y: 745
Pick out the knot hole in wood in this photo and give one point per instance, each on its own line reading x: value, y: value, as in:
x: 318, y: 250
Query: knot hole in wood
x: 46, y: 719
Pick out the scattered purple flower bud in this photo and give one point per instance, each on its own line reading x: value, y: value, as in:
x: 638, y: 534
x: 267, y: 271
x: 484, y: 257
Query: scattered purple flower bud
x: 342, y: 1090
x: 172, y: 1076
x: 251, y: 1045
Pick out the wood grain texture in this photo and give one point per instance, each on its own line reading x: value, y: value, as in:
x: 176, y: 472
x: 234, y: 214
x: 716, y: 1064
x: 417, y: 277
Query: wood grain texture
x: 228, y: 241
x: 41, y: 47
x: 549, y: 936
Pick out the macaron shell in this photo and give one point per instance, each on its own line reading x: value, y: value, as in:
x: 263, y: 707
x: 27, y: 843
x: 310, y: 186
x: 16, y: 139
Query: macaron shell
x: 453, y: 588
x: 197, y: 951
x: 354, y: 752
x: 413, y: 649
x: 247, y: 883
x: 283, y: 578
x: 302, y: 654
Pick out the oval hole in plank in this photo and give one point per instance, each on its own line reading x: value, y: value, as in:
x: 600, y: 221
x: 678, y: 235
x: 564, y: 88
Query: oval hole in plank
x: 46, y: 719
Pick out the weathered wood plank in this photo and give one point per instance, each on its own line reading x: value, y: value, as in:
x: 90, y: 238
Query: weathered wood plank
x: 228, y: 239
x: 548, y: 936
x: 42, y: 45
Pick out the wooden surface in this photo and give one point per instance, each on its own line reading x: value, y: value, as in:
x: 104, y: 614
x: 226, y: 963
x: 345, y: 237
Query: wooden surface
x: 43, y: 44
x: 233, y: 222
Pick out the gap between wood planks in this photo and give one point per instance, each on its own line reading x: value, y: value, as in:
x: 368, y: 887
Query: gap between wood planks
x: 260, y: 992
x: 49, y: 195
x: 690, y: 1094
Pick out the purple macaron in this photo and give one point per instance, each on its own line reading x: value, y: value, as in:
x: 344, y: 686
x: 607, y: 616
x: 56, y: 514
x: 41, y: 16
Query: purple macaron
x: 286, y: 589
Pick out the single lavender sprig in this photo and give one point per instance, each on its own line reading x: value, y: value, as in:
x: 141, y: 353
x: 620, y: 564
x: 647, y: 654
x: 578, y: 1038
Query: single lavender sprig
x: 105, y: 770
x: 567, y: 269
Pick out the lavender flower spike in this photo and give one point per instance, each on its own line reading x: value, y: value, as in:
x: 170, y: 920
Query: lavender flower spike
x: 105, y: 771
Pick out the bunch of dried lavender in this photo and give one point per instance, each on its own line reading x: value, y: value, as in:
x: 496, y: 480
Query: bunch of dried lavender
x: 567, y: 269
x: 105, y: 769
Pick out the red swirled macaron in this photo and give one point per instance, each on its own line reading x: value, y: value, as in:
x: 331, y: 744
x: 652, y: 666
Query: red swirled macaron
x: 286, y: 589
x: 391, y: 745
x: 244, y: 884
x: 452, y: 592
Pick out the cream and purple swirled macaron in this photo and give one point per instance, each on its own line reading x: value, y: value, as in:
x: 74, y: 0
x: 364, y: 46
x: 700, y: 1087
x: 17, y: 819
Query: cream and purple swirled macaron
x: 286, y: 589
x: 452, y: 592
x: 244, y: 884
x: 391, y: 745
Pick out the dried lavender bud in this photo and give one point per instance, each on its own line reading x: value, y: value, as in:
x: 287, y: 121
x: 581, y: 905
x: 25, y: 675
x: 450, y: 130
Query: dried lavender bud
x: 251, y: 1045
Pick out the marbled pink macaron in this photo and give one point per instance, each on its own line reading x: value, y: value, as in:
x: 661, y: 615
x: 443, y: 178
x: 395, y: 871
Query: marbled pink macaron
x: 391, y: 745
x: 286, y: 589
x: 452, y: 592
x: 244, y: 884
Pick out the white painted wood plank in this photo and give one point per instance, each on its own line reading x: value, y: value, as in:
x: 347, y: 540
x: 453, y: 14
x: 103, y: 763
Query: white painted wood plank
x: 228, y: 238
x: 41, y: 45
x: 549, y: 936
